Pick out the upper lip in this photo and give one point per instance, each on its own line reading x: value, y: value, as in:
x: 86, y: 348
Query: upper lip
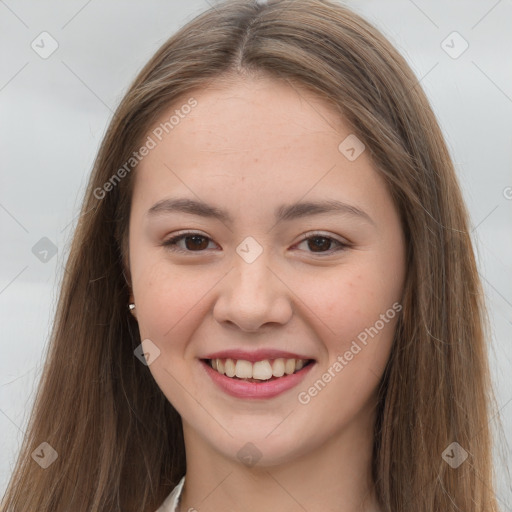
x: 255, y: 355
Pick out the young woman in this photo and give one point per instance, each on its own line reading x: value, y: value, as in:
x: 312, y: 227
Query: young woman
x: 271, y: 301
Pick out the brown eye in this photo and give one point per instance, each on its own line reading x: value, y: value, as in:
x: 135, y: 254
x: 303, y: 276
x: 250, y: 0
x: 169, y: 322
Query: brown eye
x: 194, y: 242
x: 321, y: 244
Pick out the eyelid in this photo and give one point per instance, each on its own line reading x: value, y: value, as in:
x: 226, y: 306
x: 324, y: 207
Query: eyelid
x: 319, y: 234
x: 176, y: 237
x: 341, y: 244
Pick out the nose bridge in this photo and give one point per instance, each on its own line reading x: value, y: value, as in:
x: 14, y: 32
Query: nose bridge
x: 252, y: 261
x: 252, y: 295
x: 252, y: 277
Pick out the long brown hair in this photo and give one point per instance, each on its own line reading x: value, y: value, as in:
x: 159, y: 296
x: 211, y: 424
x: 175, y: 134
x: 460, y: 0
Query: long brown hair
x: 119, y: 441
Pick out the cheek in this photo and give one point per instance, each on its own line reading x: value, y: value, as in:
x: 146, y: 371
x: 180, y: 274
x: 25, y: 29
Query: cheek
x: 349, y: 301
x: 173, y: 301
x: 360, y: 309
x: 361, y: 314
x: 164, y: 295
x: 170, y: 311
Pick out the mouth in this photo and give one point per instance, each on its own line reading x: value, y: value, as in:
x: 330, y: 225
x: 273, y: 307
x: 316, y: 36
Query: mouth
x: 263, y: 371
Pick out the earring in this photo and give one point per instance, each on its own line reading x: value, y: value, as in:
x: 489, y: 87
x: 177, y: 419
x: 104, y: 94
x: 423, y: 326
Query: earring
x: 132, y: 307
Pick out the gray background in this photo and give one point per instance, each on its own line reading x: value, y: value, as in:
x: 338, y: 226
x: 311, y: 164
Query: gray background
x: 54, y: 112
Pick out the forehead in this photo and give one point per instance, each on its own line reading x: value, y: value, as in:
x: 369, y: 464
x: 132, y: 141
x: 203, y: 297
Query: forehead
x: 261, y: 107
x: 260, y: 138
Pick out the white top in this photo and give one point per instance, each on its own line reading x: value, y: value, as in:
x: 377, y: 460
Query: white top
x: 171, y: 502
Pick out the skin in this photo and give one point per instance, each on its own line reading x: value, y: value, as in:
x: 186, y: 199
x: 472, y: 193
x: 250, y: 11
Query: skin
x: 249, y: 147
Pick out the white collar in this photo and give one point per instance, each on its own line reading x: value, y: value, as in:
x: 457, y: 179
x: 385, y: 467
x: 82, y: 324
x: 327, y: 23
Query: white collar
x: 171, y: 502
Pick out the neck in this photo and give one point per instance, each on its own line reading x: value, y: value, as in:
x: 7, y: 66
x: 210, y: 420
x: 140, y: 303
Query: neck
x: 335, y: 476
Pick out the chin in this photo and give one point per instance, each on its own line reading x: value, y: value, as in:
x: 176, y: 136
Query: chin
x: 262, y: 445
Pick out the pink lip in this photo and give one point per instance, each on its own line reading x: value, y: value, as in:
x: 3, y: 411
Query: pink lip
x: 243, y: 389
x: 256, y: 355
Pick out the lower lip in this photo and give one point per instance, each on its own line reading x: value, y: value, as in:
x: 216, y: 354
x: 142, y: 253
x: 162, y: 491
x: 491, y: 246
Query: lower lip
x: 243, y: 389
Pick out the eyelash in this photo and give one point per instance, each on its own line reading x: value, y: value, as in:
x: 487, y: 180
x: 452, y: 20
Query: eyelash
x: 170, y: 244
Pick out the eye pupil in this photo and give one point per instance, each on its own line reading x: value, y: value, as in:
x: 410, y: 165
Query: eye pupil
x: 197, y: 242
x: 324, y: 245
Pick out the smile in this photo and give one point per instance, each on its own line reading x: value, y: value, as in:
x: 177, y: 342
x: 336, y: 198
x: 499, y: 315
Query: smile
x: 258, y: 371
x: 262, y: 379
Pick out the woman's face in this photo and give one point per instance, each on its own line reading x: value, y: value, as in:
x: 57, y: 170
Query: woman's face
x: 271, y: 270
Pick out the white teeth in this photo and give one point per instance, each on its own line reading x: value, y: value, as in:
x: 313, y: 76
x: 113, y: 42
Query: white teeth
x: 260, y: 370
x: 278, y: 367
x: 243, y: 369
x: 289, y: 366
x: 229, y: 368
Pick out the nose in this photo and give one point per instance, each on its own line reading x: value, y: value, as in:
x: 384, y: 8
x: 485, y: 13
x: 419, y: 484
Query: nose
x: 253, y: 295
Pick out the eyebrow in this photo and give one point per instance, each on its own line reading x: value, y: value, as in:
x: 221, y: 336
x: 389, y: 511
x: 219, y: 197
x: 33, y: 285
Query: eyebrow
x: 282, y: 213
